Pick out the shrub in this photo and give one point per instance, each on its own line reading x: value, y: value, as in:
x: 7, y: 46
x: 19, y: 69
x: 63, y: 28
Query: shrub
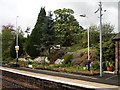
x: 67, y: 58
x: 54, y: 55
x: 95, y: 65
x: 23, y: 64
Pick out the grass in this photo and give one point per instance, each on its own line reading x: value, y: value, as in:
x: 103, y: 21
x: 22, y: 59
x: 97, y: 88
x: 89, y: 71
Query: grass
x: 73, y: 48
x: 65, y: 68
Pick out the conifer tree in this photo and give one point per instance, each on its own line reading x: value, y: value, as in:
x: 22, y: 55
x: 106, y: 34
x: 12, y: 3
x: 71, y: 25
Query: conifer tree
x: 49, y: 34
x: 35, y: 41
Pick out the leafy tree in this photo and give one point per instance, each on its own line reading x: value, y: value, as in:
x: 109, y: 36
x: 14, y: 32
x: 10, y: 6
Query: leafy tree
x: 109, y: 50
x: 66, y: 27
x: 94, y: 35
x: 36, y: 37
x: 107, y: 31
x: 7, y: 38
x: 8, y: 42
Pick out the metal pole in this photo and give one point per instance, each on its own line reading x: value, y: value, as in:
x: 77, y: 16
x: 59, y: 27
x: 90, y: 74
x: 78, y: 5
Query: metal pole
x: 16, y: 41
x: 88, y: 46
x: 100, y: 39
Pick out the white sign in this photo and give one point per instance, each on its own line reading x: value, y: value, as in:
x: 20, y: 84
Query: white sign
x: 16, y: 48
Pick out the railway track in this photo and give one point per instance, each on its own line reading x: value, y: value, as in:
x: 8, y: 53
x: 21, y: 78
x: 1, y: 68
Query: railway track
x: 11, y: 84
x: 12, y: 81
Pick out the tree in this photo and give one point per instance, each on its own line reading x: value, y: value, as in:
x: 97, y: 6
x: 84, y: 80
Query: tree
x: 49, y: 33
x: 107, y: 31
x: 94, y: 35
x: 7, y: 38
x: 109, y: 50
x: 36, y: 37
x: 66, y: 27
x: 8, y: 42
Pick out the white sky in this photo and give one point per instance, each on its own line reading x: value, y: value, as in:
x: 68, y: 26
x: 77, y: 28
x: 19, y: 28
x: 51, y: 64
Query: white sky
x: 28, y: 10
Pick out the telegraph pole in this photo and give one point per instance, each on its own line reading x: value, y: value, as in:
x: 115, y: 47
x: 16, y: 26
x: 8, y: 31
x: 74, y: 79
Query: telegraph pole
x: 100, y: 9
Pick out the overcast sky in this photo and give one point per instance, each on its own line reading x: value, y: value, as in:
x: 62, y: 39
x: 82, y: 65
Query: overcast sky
x: 28, y: 10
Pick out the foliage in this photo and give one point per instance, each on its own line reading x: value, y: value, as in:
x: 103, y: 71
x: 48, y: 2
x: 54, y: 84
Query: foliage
x: 95, y: 65
x: 23, y: 63
x: 94, y: 35
x: 7, y: 39
x: 67, y: 58
x: 108, y: 51
x: 49, y: 34
x: 36, y: 39
x: 107, y: 31
x: 109, y: 63
x: 8, y: 42
x: 66, y: 27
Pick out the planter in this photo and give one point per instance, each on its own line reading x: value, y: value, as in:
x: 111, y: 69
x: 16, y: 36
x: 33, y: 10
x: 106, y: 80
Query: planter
x: 110, y: 68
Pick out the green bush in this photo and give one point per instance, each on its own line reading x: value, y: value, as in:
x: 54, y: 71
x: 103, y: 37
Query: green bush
x: 35, y: 65
x: 7, y: 60
x: 95, y: 65
x: 68, y: 64
x: 67, y: 58
x: 23, y: 64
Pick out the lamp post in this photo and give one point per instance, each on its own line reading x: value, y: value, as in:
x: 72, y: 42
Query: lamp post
x: 16, y: 47
x: 88, y: 44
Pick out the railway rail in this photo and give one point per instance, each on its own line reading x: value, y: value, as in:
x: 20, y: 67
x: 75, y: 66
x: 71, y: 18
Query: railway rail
x: 9, y: 83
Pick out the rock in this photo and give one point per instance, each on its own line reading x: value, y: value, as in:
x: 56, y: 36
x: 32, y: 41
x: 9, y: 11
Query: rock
x: 22, y: 59
x: 59, y: 61
x: 42, y: 60
x: 46, y: 60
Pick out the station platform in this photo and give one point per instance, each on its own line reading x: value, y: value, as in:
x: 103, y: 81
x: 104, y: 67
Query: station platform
x: 64, y: 80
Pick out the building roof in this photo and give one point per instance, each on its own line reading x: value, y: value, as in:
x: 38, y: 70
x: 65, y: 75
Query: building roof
x: 117, y: 37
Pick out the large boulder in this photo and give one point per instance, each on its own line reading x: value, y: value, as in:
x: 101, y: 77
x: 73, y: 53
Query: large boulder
x: 59, y: 61
x: 82, y: 58
x: 42, y: 60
